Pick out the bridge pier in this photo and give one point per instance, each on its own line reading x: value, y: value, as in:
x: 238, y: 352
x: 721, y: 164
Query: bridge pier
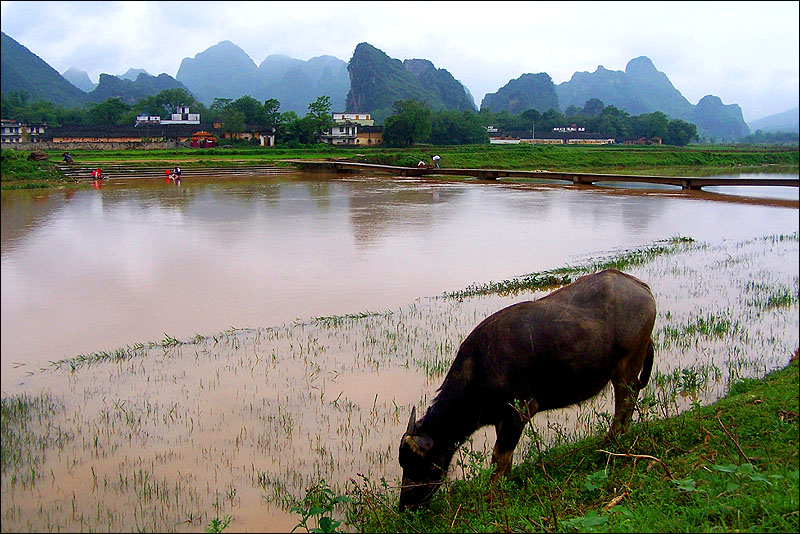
x: 577, y: 179
x: 689, y: 184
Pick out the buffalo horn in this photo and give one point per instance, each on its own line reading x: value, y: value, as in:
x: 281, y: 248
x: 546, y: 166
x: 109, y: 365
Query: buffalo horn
x: 412, y: 420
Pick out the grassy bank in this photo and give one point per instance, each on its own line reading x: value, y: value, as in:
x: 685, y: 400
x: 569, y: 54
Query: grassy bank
x: 658, y: 160
x: 18, y: 172
x: 728, y: 467
x: 608, y: 158
x: 564, y: 158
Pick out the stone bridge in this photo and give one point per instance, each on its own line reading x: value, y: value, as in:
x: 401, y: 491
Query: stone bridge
x: 572, y: 177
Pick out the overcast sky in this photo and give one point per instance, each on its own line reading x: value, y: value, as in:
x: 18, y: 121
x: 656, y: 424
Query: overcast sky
x: 746, y: 53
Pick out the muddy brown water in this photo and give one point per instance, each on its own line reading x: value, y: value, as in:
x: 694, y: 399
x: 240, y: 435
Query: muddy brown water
x: 229, y: 421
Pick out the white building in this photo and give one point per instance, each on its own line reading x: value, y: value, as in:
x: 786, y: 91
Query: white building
x: 181, y: 117
x: 346, y: 127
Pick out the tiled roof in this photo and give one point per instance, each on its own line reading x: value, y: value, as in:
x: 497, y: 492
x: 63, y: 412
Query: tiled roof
x: 549, y: 135
x: 142, y: 130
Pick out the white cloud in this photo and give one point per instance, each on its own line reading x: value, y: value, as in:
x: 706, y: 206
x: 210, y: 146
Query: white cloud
x: 744, y: 52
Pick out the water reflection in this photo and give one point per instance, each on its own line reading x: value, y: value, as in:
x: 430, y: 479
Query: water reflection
x: 99, y: 269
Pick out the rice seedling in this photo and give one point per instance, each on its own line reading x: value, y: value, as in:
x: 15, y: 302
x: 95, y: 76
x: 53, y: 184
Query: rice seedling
x: 244, y: 419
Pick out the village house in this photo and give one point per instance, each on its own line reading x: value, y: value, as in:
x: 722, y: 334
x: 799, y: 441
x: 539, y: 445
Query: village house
x: 571, y: 135
x: 357, y: 129
x: 14, y: 132
x: 264, y: 134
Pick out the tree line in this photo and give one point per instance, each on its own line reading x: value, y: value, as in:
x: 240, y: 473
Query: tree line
x: 234, y: 115
x: 411, y: 121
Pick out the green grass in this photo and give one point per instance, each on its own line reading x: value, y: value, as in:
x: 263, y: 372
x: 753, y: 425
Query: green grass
x: 564, y: 275
x: 730, y: 467
x: 609, y: 158
x: 18, y: 172
x: 26, y: 433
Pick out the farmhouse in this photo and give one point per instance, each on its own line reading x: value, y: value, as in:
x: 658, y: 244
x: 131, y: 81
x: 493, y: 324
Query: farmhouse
x: 353, y: 129
x: 14, y: 132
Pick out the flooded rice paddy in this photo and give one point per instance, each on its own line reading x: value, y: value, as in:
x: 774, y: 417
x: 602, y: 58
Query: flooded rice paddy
x: 168, y: 434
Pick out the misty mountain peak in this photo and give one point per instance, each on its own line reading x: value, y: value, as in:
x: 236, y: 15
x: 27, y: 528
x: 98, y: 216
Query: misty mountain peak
x: 639, y: 66
x: 418, y: 66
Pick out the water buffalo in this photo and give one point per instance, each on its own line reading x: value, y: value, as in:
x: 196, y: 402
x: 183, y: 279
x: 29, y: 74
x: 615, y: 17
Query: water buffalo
x: 529, y: 357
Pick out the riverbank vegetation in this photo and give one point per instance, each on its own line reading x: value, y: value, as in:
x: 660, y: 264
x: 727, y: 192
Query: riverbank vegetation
x: 18, y: 171
x: 692, y: 160
x: 729, y: 467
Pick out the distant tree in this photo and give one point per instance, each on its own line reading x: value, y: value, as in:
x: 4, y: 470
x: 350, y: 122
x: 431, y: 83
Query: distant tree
x: 272, y: 116
x: 593, y: 107
x: 11, y: 104
x: 614, y: 122
x: 572, y: 111
x: 218, y: 107
x: 680, y: 132
x: 288, y: 116
x: 320, y: 113
x: 410, y: 123
x: 232, y: 120
x: 457, y: 128
x: 551, y: 119
x: 771, y: 138
x: 109, y: 112
x: 165, y: 103
x: 251, y: 109
x: 651, y: 125
x: 295, y: 131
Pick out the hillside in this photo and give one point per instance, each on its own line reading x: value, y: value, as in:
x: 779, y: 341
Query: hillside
x: 717, y: 121
x: 132, y: 74
x: 377, y: 81
x: 372, y: 81
x: 780, y: 122
x: 641, y: 88
x: 226, y: 71
x: 296, y: 83
x: 221, y: 71
x: 22, y: 70
x: 131, y: 92
x: 79, y: 79
x: 529, y: 91
x: 452, y: 92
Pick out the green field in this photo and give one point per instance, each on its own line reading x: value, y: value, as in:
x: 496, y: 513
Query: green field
x: 694, y: 160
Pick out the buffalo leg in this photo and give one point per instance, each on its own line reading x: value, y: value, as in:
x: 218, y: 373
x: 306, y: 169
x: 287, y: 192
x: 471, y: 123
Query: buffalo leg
x: 626, y: 390
x: 509, y: 430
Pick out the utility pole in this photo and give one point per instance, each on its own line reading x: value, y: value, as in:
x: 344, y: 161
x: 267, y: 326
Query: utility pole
x: 533, y: 132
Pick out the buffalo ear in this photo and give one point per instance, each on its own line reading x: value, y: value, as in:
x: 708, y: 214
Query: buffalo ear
x: 412, y: 420
x: 420, y: 444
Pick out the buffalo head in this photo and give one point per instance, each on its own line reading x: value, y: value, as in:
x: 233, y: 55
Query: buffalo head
x: 422, y: 474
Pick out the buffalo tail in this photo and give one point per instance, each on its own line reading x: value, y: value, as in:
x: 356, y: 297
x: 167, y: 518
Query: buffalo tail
x: 647, y: 366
